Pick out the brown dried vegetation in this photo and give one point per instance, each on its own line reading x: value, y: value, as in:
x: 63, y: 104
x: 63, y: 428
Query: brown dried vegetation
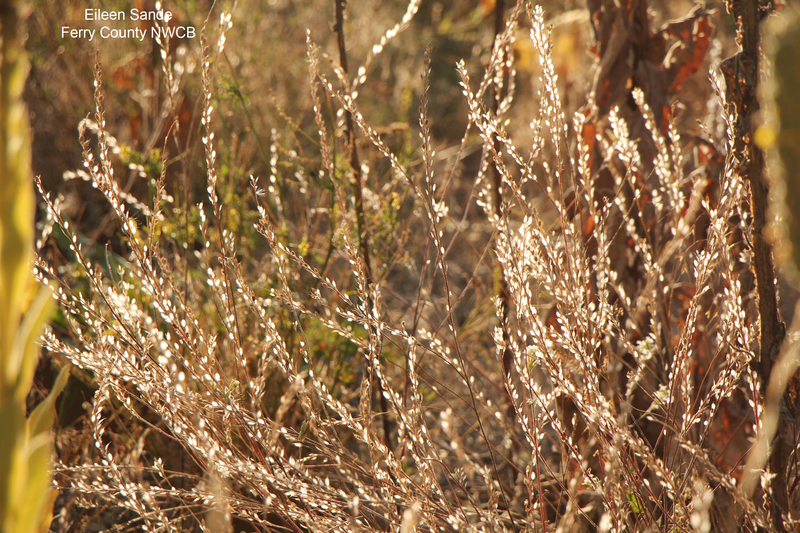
x: 318, y: 310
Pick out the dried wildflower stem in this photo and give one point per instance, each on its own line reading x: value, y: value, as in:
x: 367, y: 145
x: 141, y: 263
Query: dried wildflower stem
x: 745, y: 83
x: 355, y: 164
x: 497, y: 201
x: 741, y: 73
x: 363, y: 235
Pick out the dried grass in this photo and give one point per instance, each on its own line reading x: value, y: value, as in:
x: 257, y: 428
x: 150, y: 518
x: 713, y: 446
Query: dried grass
x: 628, y: 335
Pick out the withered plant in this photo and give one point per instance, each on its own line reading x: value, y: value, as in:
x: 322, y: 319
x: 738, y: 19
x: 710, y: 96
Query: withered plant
x: 553, y: 328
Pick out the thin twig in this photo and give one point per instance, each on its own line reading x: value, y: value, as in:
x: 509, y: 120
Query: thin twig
x: 742, y: 76
x: 497, y: 204
x: 363, y: 235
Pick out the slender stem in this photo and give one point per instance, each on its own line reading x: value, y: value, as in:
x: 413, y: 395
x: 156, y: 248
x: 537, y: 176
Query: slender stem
x: 355, y: 164
x: 363, y: 235
x: 497, y: 204
x: 742, y: 76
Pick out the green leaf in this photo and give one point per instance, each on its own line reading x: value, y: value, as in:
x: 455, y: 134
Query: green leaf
x: 37, y: 490
x: 12, y: 469
x: 23, y: 357
x: 636, y: 507
x: 41, y: 418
